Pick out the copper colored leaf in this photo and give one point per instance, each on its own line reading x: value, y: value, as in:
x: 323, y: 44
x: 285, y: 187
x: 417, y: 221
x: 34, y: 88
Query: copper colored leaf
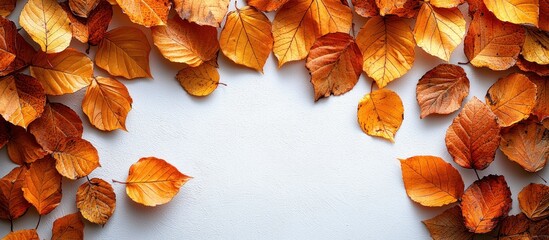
x: 78, y: 25
x: 22, y: 147
x: 527, y: 144
x: 430, y: 181
x: 380, y: 113
x: 29, y: 234
x: 536, y: 46
x: 68, y: 227
x: 335, y: 63
x: 14, y: 43
x: 539, y: 230
x: 442, y: 90
x: 96, y: 200
x: 534, y: 201
x: 107, y: 103
x: 75, y: 158
x: 4, y: 133
x: 82, y: 8
x: 366, y: 8
x: 42, y: 185
x: 514, y: 227
x: 400, y: 8
x: 56, y: 123
x: 8, y: 34
x: 124, y: 51
x: 202, y: 12
x: 22, y: 99
x: 12, y: 203
x: 541, y: 70
x: 185, y: 42
x: 512, y: 98
x: 199, y: 81
x: 541, y: 109
x: 152, y: 181
x: 544, y: 15
x: 515, y: 11
x: 267, y: 5
x: 146, y: 12
x: 6, y: 7
x: 448, y: 225
x: 98, y: 22
x: 387, y: 46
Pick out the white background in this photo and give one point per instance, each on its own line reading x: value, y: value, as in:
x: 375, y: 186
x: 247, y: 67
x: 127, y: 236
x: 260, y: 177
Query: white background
x: 268, y: 162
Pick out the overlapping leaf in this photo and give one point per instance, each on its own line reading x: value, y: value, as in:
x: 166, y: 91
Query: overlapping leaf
x: 534, y: 201
x: 75, y: 158
x: 267, y: 5
x: 448, y: 225
x: 380, y: 113
x: 202, y: 12
x: 56, y: 123
x: 28, y: 234
x: 536, y: 46
x: 93, y: 28
x: 107, y: 103
x: 526, y: 144
x: 22, y: 99
x: 68, y: 227
x: 541, y: 70
x: 22, y: 147
x: 515, y: 227
x: 96, y: 200
x: 401, y: 8
x: 12, y: 203
x: 6, y: 7
x: 512, y: 98
x: 146, y: 12
x: 541, y: 109
x: 42, y: 185
x: 366, y: 8
x: 82, y: 8
x: 515, y: 11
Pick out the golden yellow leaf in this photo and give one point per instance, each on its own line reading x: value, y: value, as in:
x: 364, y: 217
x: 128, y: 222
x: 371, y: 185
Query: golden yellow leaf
x: 47, y: 24
x: 267, y: 5
x: 387, y: 46
x: 22, y: 147
x: 199, y: 81
x: 124, y: 51
x: 107, y: 103
x: 536, y: 46
x: 439, y: 30
x: 400, y: 8
x: 515, y: 11
x: 29, y: 234
x: 202, y: 12
x: 512, y: 98
x: 6, y: 7
x: 246, y: 38
x: 75, y: 158
x: 96, y: 200
x: 22, y: 99
x: 62, y: 73
x: 82, y: 8
x: 68, y: 227
x: 380, y: 113
x: 146, y: 12
x: 446, y: 3
x: 54, y: 125
x: 42, y: 185
x: 186, y: 42
x: 300, y: 22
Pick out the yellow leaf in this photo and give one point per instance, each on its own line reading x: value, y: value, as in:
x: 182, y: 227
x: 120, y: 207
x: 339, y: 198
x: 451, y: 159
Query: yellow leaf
x: 199, y: 81
x: 62, y: 73
x: 439, y: 30
x: 75, y: 158
x: 380, y: 113
x: 47, y: 24
x: 146, y: 12
x: 515, y: 11
x: 512, y: 98
x: 82, y: 8
x: 387, y: 46
x: 29, y: 234
x: 96, y: 200
x: 107, y: 103
x: 246, y: 38
x: 22, y: 99
x: 202, y: 12
x: 124, y: 51
x: 536, y: 46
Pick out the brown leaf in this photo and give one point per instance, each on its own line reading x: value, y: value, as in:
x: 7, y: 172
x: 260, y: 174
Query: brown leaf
x: 442, y: 90
x: 12, y: 203
x: 56, y: 123
x: 22, y: 147
x: 536, y: 46
x: 474, y: 136
x: 534, y: 201
x: 147, y: 13
x: 75, y: 158
x: 22, y: 99
x: 526, y: 144
x: 96, y: 200
x: 42, y: 185
x: 8, y: 33
x: 6, y: 7
x: 512, y: 98
x: 199, y: 81
x: 335, y: 64
x: 539, y: 230
x: 82, y: 8
x: 541, y: 70
x: 4, y: 133
x: 202, y: 12
x: 430, y: 181
x: 515, y: 227
x: 541, y: 109
x: 448, y: 225
x: 268, y: 5
x: 515, y: 11
x: 78, y: 25
x: 380, y: 113
x: 98, y: 22
x: 544, y: 15
x: 29, y: 234
x: 366, y: 8
x: 107, y: 103
x: 68, y: 227
x: 400, y: 8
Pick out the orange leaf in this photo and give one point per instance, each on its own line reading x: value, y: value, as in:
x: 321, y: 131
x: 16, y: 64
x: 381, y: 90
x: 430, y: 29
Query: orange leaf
x: 152, y: 181
x: 68, y: 227
x: 366, y: 8
x: 380, y: 113
x: 401, y: 8
x: 6, y: 7
x: 29, y: 234
x: 107, y: 103
x: 512, y: 98
x: 8, y: 33
x: 76, y: 158
x: 56, y: 123
x: 541, y: 109
x: 544, y: 15
x: 12, y: 203
x: 82, y: 8
x: 96, y: 200
x: 485, y: 202
x: 268, y: 5
x: 536, y: 46
x: 24, y: 53
x: 146, y: 12
x: 534, y: 201
x: 93, y: 28
x: 199, y: 81
x: 448, y: 225
x: 514, y: 227
x: 442, y: 90
x: 202, y: 12
x: 515, y: 11
x: 42, y: 185
x: 446, y: 3
x: 335, y: 63
x: 78, y: 25
x: 22, y: 99
x: 526, y: 144
x: 473, y: 137
x: 541, y: 70
x: 430, y: 181
x: 22, y: 147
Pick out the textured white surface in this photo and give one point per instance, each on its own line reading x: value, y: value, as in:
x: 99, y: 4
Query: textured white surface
x: 268, y: 162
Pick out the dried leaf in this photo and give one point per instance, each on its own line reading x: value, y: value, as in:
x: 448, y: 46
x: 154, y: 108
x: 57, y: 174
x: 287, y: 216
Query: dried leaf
x: 387, y: 46
x: 147, y: 13
x: 442, y: 90
x: 539, y: 230
x: 512, y: 98
x: 335, y: 64
x: 544, y: 15
x: 439, y: 30
x: 12, y: 203
x: 448, y: 225
x: 24, y: 53
x: 22, y: 99
x: 185, y: 42
x: 22, y: 147
x: 78, y: 25
x: 380, y: 113
x: 42, y: 185
x: 107, y: 103
x: 514, y: 227
x: 47, y: 24
x: 446, y: 3
x: 202, y: 12
x: 62, y: 73
x: 541, y: 70
x: 56, y: 123
x: 92, y: 29
x: 199, y: 81
x: 534, y: 201
x: 400, y: 8
x: 29, y: 234
x: 124, y: 51
x: 366, y: 8
x: 8, y: 34
x: 485, y: 202
x: 536, y: 46
x: 515, y: 11
x: 268, y: 5
x: 75, y: 158
x: 82, y: 8
x: 246, y: 38
x: 430, y: 181
x: 96, y: 200
x: 68, y: 227
x: 152, y: 181
x: 300, y: 22
x: 541, y: 109
x: 526, y: 144
x: 6, y: 7
x: 4, y: 133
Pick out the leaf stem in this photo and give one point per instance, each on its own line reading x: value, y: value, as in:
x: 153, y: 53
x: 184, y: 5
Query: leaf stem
x: 220, y: 83
x: 38, y: 223
x: 464, y: 63
x: 116, y: 181
x: 543, y: 179
x: 372, y: 86
x: 478, y: 177
x: 11, y: 224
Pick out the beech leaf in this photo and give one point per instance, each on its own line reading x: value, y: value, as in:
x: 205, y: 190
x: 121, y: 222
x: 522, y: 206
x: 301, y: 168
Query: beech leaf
x: 22, y: 147
x: 534, y: 201
x: 199, y: 81
x: 366, y: 8
x: 146, y: 12
x: 56, y: 123
x: 541, y: 109
x: 267, y: 5
x: 42, y: 185
x: 515, y: 11
x: 536, y: 46
x: 448, y: 225
x: 202, y: 12
x: 68, y: 227
x: 400, y: 8
x: 107, y: 103
x: 515, y: 227
x: 541, y: 70
x: 380, y: 113
x: 96, y: 200
x: 22, y: 99
x: 75, y: 158
x: 12, y: 203
x: 526, y: 144
x: 6, y: 7
x: 82, y: 8
x: 28, y: 234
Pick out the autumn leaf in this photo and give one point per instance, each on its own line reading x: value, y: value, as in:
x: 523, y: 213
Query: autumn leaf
x: 246, y: 38
x: 492, y: 43
x: 96, y: 200
x: 202, y: 12
x: 448, y: 225
x: 29, y: 234
x: 473, y: 137
x: 430, y: 181
x: 442, y: 90
x: 515, y: 11
x: 380, y: 113
x: 8, y: 33
x: 185, y: 42
x: 485, y: 202
x: 439, y: 30
x: 152, y: 181
x: 12, y: 203
x: 541, y: 70
x: 526, y: 144
x: 446, y: 3
x: 515, y: 227
x: 47, y: 24
x: 199, y: 81
x: 544, y: 15
x: 387, y: 46
x: 147, y: 13
x: 75, y: 158
x: 22, y: 99
x: 93, y: 28
x: 82, y: 8
x: 107, y: 103
x: 366, y: 8
x: 24, y: 53
x: 68, y: 227
x: 78, y: 25
x: 512, y: 98
x: 300, y: 22
x: 56, y: 123
x: 124, y: 51
x: 42, y: 185
x: 536, y: 46
x: 22, y: 147
x: 62, y: 73
x: 534, y: 201
x: 268, y: 5
x: 541, y: 109
x: 4, y: 133
x: 6, y: 7
x: 401, y: 8
x: 335, y: 64
x: 539, y: 230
